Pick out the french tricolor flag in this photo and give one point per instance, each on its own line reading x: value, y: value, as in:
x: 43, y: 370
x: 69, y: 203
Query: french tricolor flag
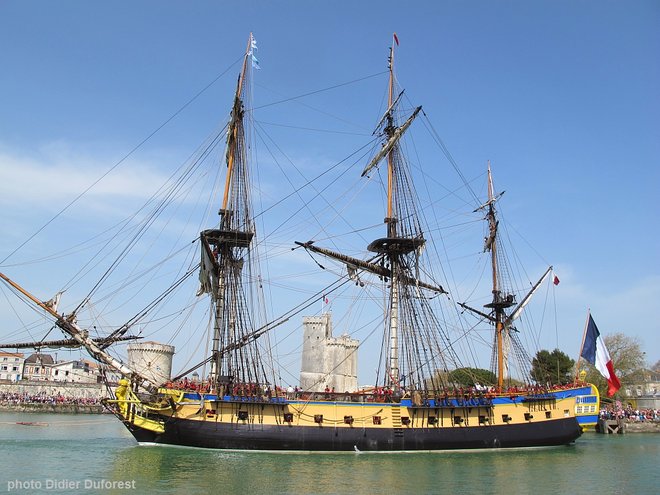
x: 594, y: 351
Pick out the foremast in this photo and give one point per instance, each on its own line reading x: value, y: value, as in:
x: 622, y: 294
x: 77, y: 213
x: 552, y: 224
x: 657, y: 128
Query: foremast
x: 227, y: 270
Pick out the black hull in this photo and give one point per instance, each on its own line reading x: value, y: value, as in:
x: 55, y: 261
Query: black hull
x: 212, y: 435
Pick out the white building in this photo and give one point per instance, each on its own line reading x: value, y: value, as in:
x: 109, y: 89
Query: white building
x: 37, y: 367
x: 79, y: 371
x: 11, y: 366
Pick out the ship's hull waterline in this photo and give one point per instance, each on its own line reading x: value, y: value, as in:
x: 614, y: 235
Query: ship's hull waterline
x: 327, y: 439
x: 349, y: 427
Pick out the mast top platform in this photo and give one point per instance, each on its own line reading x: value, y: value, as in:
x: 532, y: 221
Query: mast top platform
x: 231, y: 238
x: 396, y: 245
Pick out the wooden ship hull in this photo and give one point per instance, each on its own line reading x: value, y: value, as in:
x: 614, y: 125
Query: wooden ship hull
x: 311, y: 425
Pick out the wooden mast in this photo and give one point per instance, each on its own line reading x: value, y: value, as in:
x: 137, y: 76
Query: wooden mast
x: 220, y: 244
x: 499, y: 303
x: 237, y: 114
x: 390, y: 130
x: 391, y: 233
x: 398, y: 242
x: 499, y: 323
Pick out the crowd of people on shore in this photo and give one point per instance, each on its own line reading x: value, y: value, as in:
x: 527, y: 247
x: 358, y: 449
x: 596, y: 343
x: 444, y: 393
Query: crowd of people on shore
x: 18, y: 398
x: 629, y: 414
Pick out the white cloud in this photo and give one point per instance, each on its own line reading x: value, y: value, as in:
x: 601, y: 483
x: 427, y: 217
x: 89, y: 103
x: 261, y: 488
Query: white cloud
x: 616, y: 308
x: 56, y: 174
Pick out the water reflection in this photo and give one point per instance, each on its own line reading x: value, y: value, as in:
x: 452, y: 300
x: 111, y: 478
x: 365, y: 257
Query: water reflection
x: 80, y: 447
x: 176, y: 470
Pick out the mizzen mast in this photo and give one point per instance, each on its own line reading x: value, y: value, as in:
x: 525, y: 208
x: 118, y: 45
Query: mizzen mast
x: 500, y: 302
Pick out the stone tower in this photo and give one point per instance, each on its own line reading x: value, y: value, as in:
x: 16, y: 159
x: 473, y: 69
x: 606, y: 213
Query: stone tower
x: 151, y: 359
x: 327, y: 361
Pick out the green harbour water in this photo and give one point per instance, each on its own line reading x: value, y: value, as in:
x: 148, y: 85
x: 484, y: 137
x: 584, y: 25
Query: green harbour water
x: 95, y: 454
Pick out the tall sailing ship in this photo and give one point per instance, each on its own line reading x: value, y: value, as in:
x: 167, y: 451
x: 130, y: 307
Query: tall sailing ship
x: 412, y: 406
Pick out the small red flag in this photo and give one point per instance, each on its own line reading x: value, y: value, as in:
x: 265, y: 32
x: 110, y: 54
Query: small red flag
x: 556, y: 280
x: 396, y: 39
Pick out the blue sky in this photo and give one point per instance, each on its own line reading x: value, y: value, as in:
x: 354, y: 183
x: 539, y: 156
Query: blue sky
x: 560, y: 96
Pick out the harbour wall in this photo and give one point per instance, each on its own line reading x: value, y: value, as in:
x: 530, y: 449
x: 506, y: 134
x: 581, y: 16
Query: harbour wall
x: 643, y: 427
x: 50, y: 388
x: 41, y: 396
x: 53, y: 408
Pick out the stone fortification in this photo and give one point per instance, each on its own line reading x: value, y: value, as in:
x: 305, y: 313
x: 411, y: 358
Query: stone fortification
x: 152, y: 360
x: 327, y: 361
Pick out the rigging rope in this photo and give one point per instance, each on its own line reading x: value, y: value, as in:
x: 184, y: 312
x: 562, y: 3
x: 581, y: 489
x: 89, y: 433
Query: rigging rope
x: 122, y: 160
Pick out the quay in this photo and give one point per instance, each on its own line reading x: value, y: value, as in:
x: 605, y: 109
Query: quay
x: 611, y: 426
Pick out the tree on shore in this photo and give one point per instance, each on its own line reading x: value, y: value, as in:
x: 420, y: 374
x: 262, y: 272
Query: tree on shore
x: 469, y: 377
x: 554, y: 368
x: 628, y: 361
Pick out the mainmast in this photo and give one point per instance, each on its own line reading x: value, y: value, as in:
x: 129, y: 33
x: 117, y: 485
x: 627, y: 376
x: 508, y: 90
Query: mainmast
x: 411, y: 344
x: 389, y: 132
x: 390, y: 221
x: 395, y: 245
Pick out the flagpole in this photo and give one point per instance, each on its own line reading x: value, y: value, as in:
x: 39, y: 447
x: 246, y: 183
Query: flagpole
x: 584, y: 336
